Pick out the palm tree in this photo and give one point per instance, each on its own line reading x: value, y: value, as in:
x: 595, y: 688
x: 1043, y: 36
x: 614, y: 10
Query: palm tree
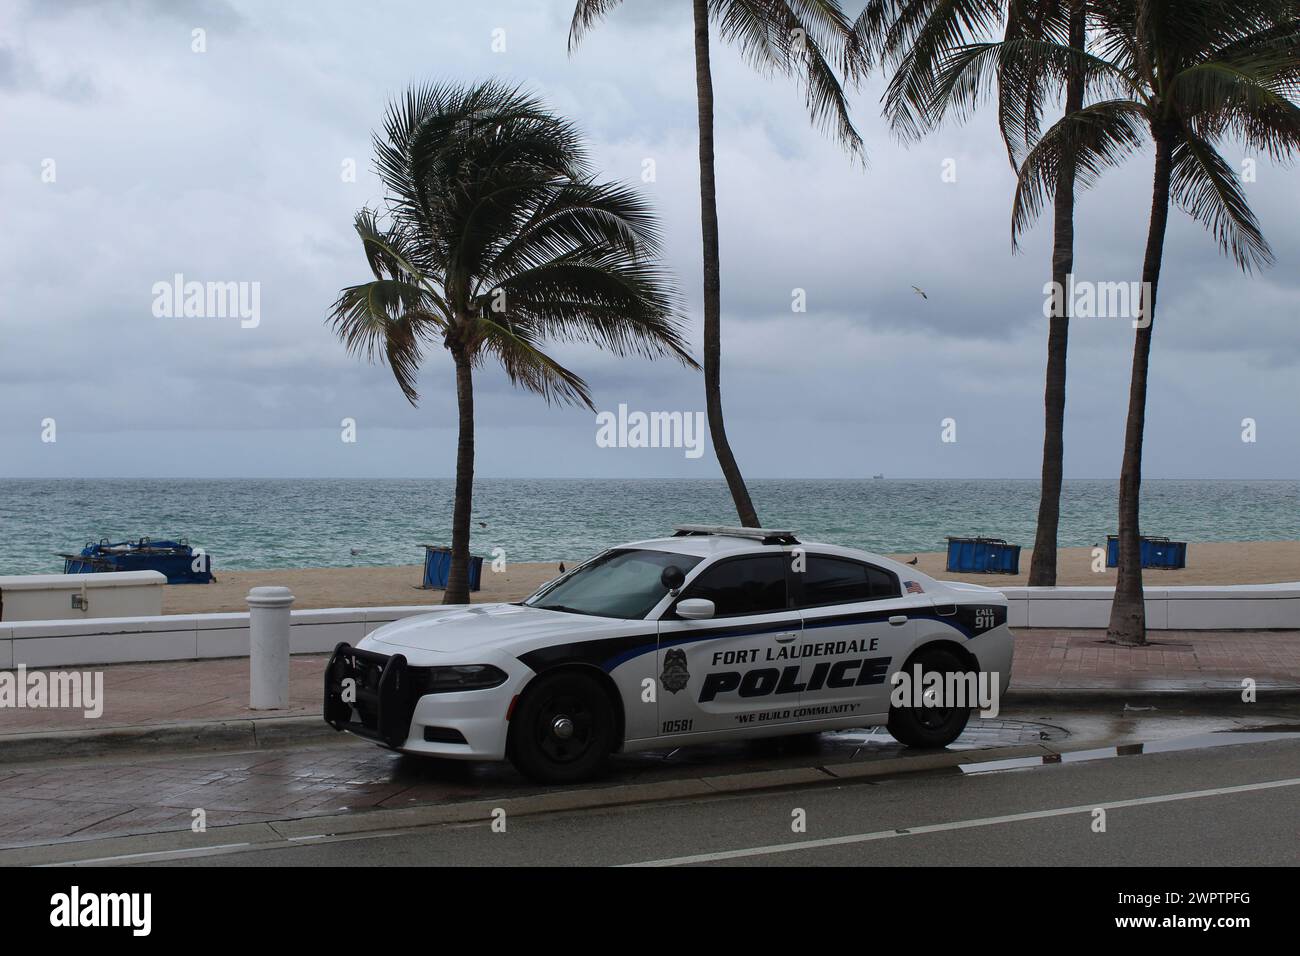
x: 783, y: 35
x: 496, y: 239
x: 922, y: 39
x: 1187, y: 74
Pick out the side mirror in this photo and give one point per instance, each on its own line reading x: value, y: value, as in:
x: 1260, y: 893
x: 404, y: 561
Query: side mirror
x: 695, y: 609
x: 672, y: 577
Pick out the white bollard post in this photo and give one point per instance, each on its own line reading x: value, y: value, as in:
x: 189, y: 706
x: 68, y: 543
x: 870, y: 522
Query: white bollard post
x: 268, y: 657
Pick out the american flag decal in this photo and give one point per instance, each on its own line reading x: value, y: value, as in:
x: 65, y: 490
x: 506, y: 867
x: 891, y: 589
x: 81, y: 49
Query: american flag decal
x: 913, y: 587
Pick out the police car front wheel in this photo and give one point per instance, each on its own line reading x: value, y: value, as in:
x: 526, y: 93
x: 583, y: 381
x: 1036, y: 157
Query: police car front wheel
x: 563, y: 728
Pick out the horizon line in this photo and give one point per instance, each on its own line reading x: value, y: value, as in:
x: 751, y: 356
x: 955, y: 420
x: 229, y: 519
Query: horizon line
x: 718, y: 479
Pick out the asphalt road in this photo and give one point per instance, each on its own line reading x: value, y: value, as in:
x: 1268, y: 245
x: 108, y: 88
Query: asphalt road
x: 116, y: 803
x: 1229, y: 806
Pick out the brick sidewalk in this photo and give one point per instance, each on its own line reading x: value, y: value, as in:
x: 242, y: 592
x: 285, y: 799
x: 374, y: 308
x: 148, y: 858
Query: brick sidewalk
x: 216, y: 690
x: 176, y: 692
x: 1174, y: 660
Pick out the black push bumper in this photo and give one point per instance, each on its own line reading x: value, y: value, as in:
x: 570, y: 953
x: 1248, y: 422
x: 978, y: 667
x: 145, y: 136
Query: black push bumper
x: 371, y: 695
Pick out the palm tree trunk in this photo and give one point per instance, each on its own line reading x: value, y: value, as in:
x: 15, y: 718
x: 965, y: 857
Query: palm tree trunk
x: 1042, y: 569
x: 458, y: 577
x: 712, y: 275
x: 1128, y: 611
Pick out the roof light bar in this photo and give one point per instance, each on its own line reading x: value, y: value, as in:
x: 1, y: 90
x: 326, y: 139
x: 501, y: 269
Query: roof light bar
x: 766, y: 535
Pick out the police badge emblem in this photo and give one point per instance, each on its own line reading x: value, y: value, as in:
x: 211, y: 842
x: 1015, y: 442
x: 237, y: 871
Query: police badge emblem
x: 675, y: 675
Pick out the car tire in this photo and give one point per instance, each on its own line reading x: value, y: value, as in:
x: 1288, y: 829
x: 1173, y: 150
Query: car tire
x: 930, y: 727
x: 563, y: 728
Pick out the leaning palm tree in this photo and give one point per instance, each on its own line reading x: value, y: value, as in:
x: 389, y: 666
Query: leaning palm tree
x: 921, y: 39
x: 788, y: 36
x: 496, y: 239
x: 1187, y: 74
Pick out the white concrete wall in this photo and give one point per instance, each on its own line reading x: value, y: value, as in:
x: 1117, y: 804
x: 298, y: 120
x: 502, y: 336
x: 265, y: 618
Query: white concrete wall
x: 179, y: 637
x: 195, y: 636
x: 38, y: 597
x: 1239, y: 607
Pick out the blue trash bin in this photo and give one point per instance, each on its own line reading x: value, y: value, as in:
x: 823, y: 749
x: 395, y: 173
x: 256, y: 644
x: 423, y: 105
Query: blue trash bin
x: 437, y: 568
x: 1169, y: 554
x: 174, y: 559
x: 1156, y: 553
x: 983, y: 555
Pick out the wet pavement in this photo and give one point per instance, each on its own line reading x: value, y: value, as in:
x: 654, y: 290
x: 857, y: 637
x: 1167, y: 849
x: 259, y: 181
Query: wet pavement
x: 1225, y: 806
x: 110, y: 796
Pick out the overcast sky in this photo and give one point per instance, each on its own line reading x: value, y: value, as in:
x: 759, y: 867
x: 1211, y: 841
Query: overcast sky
x: 226, y: 165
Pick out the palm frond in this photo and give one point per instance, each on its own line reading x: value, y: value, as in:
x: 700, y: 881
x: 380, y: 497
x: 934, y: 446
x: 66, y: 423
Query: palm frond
x: 917, y: 38
x: 574, y: 217
x: 1026, y: 84
x: 585, y: 15
x: 869, y: 38
x: 613, y: 301
x: 1100, y: 135
x: 526, y: 365
x: 1278, y: 39
x: 386, y: 249
x: 801, y: 39
x: 1242, y: 99
x: 833, y: 30
x: 1206, y: 188
x: 384, y: 321
x: 826, y: 101
x: 969, y: 73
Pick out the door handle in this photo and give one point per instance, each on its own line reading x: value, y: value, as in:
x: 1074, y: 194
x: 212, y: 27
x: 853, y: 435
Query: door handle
x: 898, y: 619
x: 786, y: 638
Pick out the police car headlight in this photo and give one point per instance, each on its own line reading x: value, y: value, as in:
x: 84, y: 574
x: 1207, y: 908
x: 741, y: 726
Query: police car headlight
x: 463, y: 677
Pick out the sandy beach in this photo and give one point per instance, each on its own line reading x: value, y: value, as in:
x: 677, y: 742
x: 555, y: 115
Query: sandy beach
x: 349, y: 587
x: 1231, y: 562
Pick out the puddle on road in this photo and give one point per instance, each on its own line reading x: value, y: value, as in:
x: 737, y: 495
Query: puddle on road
x: 980, y: 734
x: 831, y: 747
x: 1191, y: 742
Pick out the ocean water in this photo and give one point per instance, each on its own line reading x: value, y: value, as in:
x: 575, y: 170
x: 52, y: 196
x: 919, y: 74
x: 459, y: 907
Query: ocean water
x: 250, y: 524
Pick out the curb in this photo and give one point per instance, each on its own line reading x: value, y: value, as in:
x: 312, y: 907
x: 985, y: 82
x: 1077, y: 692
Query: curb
x: 1040, y: 696
x: 198, y: 736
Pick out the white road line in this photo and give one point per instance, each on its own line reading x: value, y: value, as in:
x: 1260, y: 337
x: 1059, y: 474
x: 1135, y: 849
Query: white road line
x: 223, y: 848
x: 154, y: 855
x: 961, y: 824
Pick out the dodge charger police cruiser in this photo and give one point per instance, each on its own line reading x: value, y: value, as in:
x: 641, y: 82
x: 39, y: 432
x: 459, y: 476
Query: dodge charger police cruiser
x: 711, y: 634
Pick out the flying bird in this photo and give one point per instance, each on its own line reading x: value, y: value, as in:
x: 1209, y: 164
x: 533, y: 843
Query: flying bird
x: 920, y: 292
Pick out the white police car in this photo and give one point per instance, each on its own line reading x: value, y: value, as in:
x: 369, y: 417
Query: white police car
x: 712, y: 634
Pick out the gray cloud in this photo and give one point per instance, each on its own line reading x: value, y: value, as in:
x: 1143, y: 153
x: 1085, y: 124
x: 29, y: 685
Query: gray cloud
x: 132, y: 13
x: 226, y: 166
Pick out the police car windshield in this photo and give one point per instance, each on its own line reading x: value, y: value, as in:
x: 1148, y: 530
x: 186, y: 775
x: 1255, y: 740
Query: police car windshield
x: 624, y: 583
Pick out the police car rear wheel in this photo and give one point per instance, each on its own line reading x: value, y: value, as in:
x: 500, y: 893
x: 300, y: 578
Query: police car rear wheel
x: 930, y: 726
x: 562, y: 729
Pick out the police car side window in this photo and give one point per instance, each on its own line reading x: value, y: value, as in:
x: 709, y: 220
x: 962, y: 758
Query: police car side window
x: 829, y: 581
x: 743, y: 586
x: 836, y: 581
x: 883, y: 584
